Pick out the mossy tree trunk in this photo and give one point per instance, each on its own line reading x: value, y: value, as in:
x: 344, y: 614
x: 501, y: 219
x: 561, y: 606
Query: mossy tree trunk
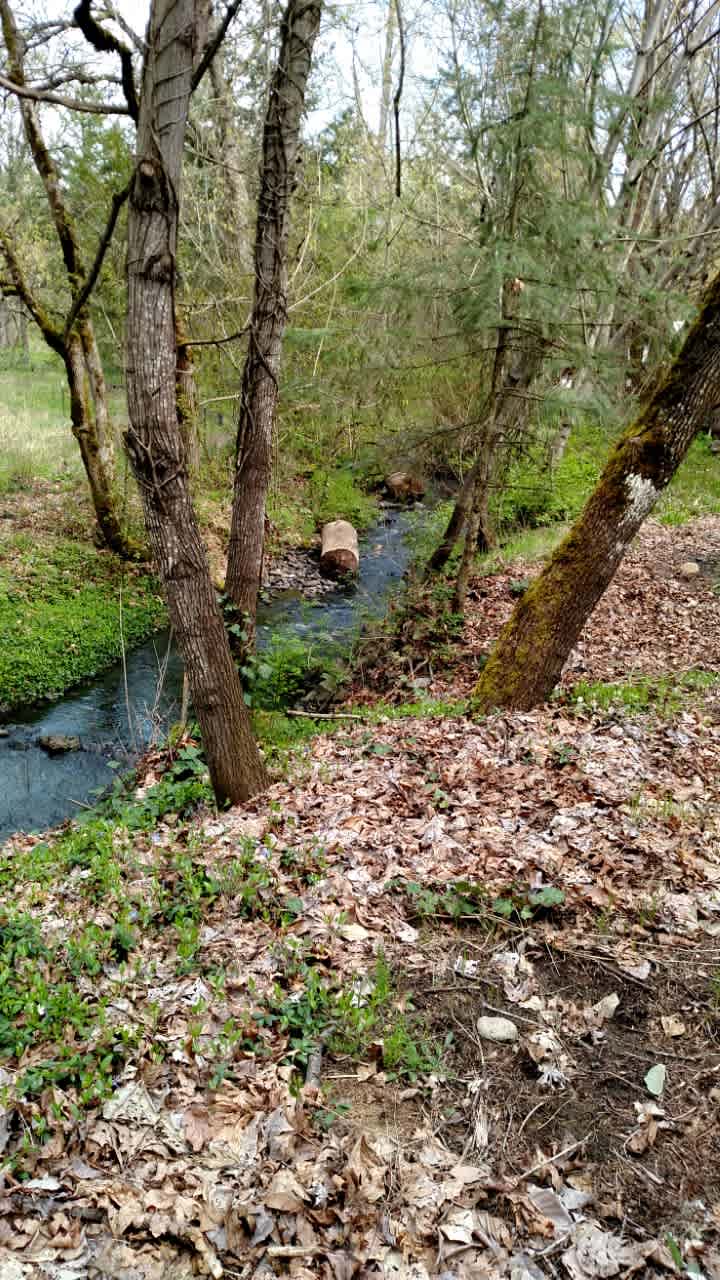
x: 529, y: 656
x: 259, y: 390
x: 93, y: 447
x: 154, y: 440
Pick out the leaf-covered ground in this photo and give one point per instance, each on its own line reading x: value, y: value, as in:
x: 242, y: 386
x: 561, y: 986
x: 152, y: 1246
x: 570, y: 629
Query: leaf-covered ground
x: 266, y: 1043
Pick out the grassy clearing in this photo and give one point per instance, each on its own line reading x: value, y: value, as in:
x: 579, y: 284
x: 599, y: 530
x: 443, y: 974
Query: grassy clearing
x: 35, y: 437
x: 60, y: 615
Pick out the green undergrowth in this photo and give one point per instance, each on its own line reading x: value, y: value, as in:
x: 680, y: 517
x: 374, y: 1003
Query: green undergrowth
x: 533, y: 496
x: 65, y: 612
x: 299, y: 505
x: 465, y: 900
x: 88, y: 914
x: 313, y: 1010
x: 336, y: 495
x: 663, y: 695
x: 695, y: 490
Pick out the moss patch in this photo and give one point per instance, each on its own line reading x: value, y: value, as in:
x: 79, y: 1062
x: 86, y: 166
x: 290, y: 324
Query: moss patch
x: 60, y: 615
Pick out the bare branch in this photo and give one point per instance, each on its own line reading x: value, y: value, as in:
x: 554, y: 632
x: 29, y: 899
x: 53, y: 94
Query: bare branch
x: 118, y: 200
x: 58, y: 100
x: 398, y: 97
x: 214, y: 43
x: 105, y: 42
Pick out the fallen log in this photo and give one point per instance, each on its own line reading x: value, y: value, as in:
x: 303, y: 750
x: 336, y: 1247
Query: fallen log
x: 402, y: 486
x: 339, y: 554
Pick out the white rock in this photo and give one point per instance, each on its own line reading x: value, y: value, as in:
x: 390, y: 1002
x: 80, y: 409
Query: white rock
x: 689, y: 569
x: 498, y: 1029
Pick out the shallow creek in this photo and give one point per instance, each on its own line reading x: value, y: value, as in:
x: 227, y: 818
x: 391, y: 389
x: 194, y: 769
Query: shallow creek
x: 118, y: 713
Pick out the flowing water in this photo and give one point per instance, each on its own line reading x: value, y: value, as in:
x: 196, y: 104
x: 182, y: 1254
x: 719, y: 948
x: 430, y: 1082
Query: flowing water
x: 116, y: 715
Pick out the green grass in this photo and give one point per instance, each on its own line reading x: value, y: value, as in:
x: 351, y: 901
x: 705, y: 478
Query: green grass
x: 334, y: 495
x: 35, y: 437
x: 695, y: 491
x: 60, y: 615
x: 662, y: 694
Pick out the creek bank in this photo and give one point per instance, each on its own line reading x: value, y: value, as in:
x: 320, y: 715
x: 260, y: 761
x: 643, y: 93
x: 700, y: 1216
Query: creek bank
x: 117, y: 715
x: 66, y: 612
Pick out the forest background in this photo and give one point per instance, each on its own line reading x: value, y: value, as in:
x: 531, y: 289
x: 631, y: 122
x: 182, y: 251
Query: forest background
x: 480, y: 301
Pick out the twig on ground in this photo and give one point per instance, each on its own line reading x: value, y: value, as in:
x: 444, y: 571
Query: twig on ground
x: 324, y: 715
x: 566, y: 1151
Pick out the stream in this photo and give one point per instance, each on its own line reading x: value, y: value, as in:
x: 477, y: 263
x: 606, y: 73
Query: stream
x: 120, y: 712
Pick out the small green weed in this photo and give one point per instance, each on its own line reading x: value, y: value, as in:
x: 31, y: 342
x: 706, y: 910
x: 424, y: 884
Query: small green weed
x: 40, y: 1004
x: 461, y: 899
x: 346, y: 1019
x: 663, y: 695
x: 184, y: 786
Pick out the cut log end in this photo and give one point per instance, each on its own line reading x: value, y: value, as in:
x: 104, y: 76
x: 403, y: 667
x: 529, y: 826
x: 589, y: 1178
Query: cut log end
x: 340, y: 554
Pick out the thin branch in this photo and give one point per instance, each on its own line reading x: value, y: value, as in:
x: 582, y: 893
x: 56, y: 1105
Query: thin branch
x: 21, y: 289
x: 216, y: 342
x: 398, y: 98
x: 118, y: 200
x: 214, y: 43
x: 105, y: 42
x: 57, y: 100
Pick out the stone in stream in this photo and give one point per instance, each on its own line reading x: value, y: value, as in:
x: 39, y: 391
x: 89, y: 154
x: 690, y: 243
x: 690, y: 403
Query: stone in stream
x: 340, y: 553
x: 56, y: 744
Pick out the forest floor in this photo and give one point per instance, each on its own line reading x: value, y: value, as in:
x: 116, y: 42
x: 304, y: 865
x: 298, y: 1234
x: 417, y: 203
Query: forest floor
x: 266, y: 1042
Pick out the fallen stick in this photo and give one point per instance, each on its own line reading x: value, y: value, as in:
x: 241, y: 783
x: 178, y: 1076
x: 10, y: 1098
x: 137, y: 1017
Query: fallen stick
x: 324, y: 715
x: 314, y: 1068
x: 551, y: 1159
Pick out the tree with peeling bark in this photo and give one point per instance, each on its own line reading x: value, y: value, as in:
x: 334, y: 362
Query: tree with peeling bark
x: 259, y: 389
x: 175, y: 49
x: 528, y: 659
x: 74, y: 340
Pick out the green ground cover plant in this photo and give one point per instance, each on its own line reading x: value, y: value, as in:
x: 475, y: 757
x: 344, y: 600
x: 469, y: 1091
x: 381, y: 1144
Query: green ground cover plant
x: 65, y: 613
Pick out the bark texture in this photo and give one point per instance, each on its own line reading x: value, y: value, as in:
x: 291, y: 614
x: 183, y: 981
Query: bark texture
x: 259, y: 390
x: 154, y: 441
x: 528, y: 659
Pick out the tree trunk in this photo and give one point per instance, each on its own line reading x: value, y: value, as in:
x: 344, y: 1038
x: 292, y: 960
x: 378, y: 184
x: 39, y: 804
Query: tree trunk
x: 98, y: 391
x: 458, y: 520
x: 188, y: 404
x: 479, y: 533
x: 259, y: 390
x: 507, y: 411
x: 529, y: 656
x: 154, y: 442
x: 94, y: 456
